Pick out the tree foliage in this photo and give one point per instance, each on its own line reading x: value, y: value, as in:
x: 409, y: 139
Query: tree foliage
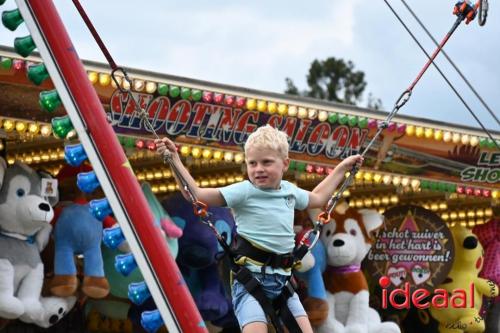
x: 334, y: 80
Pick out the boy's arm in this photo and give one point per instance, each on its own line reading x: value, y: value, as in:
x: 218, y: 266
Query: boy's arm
x: 324, y: 190
x: 209, y: 196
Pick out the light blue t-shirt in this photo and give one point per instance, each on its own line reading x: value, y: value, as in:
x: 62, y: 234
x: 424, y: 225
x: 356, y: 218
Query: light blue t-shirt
x: 265, y: 217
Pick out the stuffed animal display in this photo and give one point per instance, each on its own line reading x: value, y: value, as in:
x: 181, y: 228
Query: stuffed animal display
x: 489, y: 236
x: 25, y: 215
x: 77, y: 231
x: 459, y: 316
x: 311, y: 273
x: 347, y: 240
x: 198, y: 249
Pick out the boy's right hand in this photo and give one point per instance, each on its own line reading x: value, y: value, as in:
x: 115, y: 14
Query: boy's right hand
x: 166, y: 147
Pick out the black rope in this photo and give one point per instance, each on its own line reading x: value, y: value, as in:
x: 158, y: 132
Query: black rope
x: 442, y: 74
x: 451, y: 62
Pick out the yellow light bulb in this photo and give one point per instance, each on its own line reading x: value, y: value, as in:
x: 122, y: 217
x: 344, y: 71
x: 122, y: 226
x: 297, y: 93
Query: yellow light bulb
x: 196, y: 152
x: 46, y: 131
x: 455, y: 138
x: 474, y: 141
x: 282, y: 109
x: 394, y: 199
x: 292, y: 111
x: 447, y: 136
x: 21, y: 127
x: 465, y: 139
x: 33, y: 128
x: 239, y: 157
x: 261, y: 106
x: 228, y: 156
x: 8, y: 125
x: 251, y: 104
x: 104, y: 79
x: 428, y: 133
x: 207, y: 153
x: 302, y: 113
x: 272, y: 107
x: 387, y: 179
x: 150, y: 87
x: 410, y: 130
x: 218, y: 155
x: 438, y: 135
x: 419, y: 132
x: 185, y: 151
x: 93, y: 77
x: 323, y: 116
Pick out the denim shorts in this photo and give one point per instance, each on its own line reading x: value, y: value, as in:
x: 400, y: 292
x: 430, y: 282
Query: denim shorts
x: 248, y: 310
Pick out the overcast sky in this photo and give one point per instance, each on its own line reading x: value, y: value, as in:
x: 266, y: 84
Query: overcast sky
x: 257, y: 43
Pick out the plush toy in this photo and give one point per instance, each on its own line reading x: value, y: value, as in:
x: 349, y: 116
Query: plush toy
x: 347, y: 239
x: 489, y: 236
x: 77, y: 232
x: 117, y: 309
x: 198, y: 249
x: 310, y: 272
x: 459, y: 316
x: 25, y: 215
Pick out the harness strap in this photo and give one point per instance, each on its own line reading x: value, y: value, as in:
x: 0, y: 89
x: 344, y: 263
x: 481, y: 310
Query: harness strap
x: 244, y: 248
x: 275, y: 309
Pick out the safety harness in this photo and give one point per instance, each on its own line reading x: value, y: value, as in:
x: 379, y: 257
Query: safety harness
x: 277, y: 309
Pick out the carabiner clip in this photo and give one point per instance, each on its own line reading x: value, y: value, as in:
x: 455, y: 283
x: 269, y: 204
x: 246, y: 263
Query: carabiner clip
x: 483, y: 12
x: 200, y: 209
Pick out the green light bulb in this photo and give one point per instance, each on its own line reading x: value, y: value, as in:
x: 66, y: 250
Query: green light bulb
x: 363, y: 122
x: 185, y: 93
x: 37, y: 74
x: 24, y: 45
x: 49, y: 100
x: 162, y: 89
x: 174, y: 91
x: 196, y: 95
x: 5, y: 63
x: 11, y: 19
x: 61, y: 126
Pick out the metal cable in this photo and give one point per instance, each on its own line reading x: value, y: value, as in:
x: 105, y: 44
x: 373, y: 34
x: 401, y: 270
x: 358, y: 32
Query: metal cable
x: 451, y: 62
x: 442, y: 74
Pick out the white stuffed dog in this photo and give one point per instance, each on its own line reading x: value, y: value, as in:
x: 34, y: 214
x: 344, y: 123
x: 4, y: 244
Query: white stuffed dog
x: 24, y: 231
x: 347, y: 239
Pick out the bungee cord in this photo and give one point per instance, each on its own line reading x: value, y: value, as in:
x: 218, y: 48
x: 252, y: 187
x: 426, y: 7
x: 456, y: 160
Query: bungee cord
x: 452, y: 62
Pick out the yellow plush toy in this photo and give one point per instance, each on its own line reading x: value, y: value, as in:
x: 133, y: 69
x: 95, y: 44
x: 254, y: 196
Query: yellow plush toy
x: 465, y: 288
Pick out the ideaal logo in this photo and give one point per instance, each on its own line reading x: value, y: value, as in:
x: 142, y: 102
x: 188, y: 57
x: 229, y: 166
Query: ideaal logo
x: 440, y: 299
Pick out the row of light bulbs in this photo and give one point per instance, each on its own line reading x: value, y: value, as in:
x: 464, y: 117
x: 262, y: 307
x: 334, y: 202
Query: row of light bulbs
x: 284, y: 109
x: 215, y: 181
x: 25, y: 127
x: 440, y: 135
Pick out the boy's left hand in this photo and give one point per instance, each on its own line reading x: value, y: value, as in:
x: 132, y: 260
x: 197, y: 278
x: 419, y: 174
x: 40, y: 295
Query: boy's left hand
x: 348, y: 163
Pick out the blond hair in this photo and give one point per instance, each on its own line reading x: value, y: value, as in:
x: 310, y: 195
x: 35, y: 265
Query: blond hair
x: 270, y: 138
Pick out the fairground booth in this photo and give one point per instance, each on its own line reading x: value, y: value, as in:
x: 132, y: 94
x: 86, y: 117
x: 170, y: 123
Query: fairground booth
x: 425, y: 178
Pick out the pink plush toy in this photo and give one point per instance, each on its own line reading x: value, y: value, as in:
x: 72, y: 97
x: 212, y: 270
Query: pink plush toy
x: 489, y: 236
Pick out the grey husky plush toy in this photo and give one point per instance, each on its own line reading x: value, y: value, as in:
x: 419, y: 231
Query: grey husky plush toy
x: 25, y: 228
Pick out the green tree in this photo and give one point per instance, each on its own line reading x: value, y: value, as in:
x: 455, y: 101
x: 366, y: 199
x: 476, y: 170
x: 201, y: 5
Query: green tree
x: 334, y: 80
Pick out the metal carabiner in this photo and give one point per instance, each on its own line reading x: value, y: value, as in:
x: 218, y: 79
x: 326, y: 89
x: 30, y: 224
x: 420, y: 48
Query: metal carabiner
x: 483, y: 12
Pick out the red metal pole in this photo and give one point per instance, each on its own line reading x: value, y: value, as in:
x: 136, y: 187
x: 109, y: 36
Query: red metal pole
x: 112, y: 166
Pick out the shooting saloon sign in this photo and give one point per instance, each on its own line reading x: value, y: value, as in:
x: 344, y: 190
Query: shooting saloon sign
x: 231, y: 126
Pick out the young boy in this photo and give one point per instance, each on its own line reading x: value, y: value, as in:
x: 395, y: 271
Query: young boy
x: 263, y: 208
